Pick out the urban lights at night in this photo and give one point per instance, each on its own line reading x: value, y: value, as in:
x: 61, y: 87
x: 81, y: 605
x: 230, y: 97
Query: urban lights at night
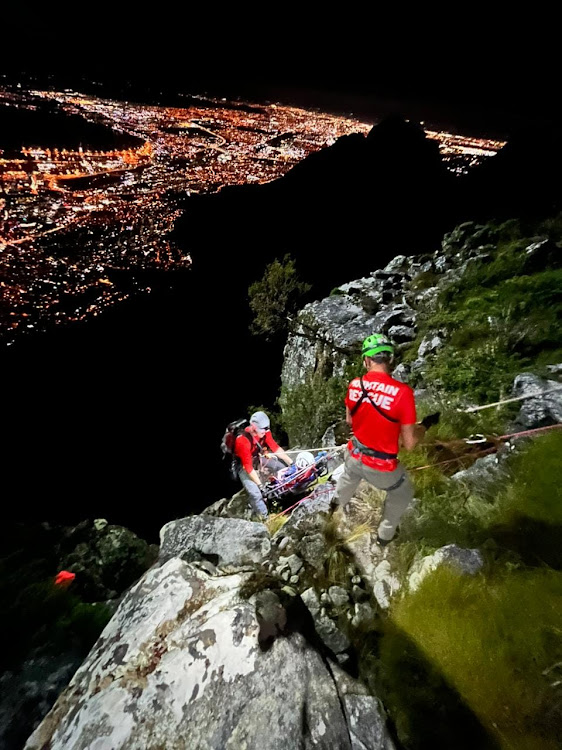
x: 72, y: 217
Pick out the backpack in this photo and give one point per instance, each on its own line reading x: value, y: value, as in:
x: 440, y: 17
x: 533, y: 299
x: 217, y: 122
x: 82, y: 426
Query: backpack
x: 227, y: 444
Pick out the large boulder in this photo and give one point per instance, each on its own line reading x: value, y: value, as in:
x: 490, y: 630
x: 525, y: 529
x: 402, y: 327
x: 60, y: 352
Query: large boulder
x: 223, y: 541
x: 182, y: 665
x: 466, y: 561
x: 485, y: 470
x: 236, y: 506
x: 542, y: 405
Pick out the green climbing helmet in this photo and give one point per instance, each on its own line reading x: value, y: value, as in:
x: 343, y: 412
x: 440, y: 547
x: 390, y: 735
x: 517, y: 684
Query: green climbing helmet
x: 376, y: 344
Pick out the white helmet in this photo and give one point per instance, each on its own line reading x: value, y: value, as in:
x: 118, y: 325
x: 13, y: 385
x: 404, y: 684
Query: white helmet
x: 304, y: 460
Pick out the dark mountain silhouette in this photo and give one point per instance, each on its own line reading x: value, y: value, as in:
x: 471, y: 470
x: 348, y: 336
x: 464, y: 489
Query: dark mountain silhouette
x: 353, y: 206
x: 523, y: 179
x: 368, y: 197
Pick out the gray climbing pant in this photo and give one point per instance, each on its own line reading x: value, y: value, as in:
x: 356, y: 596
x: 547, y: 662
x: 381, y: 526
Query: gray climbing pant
x: 256, y: 500
x: 399, y: 491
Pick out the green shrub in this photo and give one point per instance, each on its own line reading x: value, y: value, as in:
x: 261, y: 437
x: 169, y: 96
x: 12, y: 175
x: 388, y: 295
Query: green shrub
x: 498, y: 319
x: 424, y: 280
x: 475, y: 662
x: 552, y: 227
x: 535, y: 489
x: 447, y: 514
x: 456, y: 424
x: 275, y: 298
x: 42, y: 615
x: 508, y: 231
x: 81, y: 626
x: 310, y: 408
x: 480, y: 374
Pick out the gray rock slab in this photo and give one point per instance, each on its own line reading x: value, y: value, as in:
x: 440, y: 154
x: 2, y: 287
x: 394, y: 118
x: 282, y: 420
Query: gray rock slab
x: 467, y: 561
x: 179, y: 666
x: 295, y: 564
x: 543, y: 405
x: 326, y: 629
x: 400, y: 263
x: 483, y: 471
x: 232, y: 541
x: 429, y: 345
x: 364, y: 718
x: 338, y: 596
x: 318, y: 503
x: 401, y: 372
x: 400, y: 334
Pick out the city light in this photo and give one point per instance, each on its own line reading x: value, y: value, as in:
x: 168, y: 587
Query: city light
x: 72, y: 220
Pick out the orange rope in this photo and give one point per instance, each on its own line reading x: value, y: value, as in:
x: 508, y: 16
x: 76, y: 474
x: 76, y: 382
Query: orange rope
x: 452, y: 460
x: 530, y: 432
x: 484, y: 452
x: 489, y: 450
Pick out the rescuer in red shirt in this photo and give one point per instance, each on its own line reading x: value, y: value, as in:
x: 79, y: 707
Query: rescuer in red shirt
x: 259, y: 455
x: 381, y: 412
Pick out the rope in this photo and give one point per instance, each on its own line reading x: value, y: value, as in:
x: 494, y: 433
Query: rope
x: 321, y: 448
x: 486, y: 451
x: 489, y: 450
x: 319, y: 491
x: 530, y: 432
x: 457, y: 458
x: 509, y: 400
x: 277, y: 515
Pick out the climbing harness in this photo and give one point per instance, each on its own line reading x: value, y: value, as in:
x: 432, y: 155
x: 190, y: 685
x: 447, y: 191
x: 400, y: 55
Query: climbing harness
x: 360, y: 448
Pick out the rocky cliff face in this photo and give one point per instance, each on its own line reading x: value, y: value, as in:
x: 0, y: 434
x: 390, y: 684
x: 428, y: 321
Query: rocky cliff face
x: 399, y: 299
x: 386, y: 301
x: 193, y: 659
x: 241, y: 638
x: 235, y: 638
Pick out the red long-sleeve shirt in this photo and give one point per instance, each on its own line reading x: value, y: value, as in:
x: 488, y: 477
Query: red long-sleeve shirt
x: 246, y: 449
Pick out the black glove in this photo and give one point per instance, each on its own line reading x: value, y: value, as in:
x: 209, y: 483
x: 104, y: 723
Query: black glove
x: 430, y: 420
x: 264, y: 491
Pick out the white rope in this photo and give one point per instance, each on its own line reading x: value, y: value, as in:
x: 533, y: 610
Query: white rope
x: 509, y: 400
x: 331, y: 448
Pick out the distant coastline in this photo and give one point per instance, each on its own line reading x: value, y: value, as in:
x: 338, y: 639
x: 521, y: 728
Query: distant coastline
x: 46, y: 127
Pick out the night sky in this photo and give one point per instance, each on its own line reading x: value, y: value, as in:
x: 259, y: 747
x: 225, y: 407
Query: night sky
x: 486, y: 74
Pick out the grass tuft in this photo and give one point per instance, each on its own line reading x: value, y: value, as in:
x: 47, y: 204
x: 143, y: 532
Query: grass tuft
x: 484, y: 651
x: 274, y: 523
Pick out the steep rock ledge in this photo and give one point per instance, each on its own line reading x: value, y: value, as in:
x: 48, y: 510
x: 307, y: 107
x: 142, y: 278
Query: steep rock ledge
x: 387, y: 301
